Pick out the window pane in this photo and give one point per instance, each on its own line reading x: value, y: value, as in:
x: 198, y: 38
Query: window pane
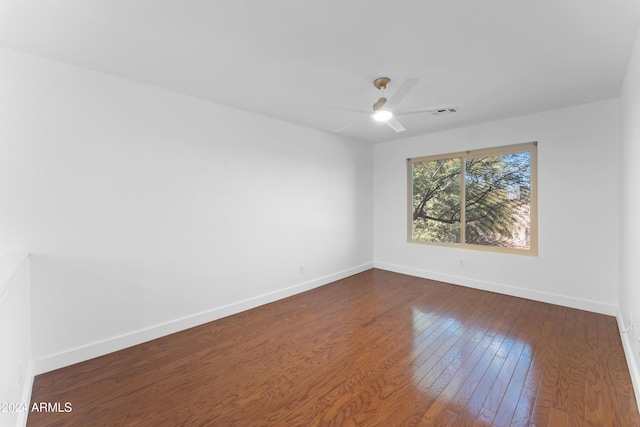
x: 498, y: 200
x: 436, y: 200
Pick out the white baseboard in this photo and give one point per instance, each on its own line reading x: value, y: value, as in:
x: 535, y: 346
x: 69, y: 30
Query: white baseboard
x: 27, y: 386
x: 572, y: 302
x: 628, y: 353
x: 100, y: 348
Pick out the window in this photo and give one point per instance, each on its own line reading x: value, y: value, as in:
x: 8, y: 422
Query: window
x: 483, y: 199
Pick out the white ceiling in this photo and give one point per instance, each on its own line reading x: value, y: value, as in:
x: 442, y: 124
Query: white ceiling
x: 290, y: 59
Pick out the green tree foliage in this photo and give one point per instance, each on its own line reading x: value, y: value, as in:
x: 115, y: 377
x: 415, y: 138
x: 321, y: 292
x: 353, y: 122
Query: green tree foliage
x: 436, y: 200
x: 497, y: 200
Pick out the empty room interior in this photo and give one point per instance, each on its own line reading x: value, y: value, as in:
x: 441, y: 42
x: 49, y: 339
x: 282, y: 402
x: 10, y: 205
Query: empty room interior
x: 206, y: 217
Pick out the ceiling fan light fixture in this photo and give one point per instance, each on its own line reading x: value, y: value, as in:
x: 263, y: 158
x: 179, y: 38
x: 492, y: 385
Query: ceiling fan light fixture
x: 382, y: 115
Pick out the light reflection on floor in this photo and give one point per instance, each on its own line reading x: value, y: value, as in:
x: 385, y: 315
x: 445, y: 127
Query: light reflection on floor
x: 451, y: 360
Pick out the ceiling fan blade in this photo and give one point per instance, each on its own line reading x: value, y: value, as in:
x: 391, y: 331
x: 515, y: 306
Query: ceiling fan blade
x: 340, y: 129
x: 432, y: 110
x: 400, y: 94
x: 394, y: 124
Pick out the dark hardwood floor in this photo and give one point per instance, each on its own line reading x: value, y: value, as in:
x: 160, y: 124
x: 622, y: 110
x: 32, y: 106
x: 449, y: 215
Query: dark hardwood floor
x: 375, y: 349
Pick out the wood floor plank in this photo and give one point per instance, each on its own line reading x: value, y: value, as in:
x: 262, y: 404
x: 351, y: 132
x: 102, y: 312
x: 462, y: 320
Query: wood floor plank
x: 551, y: 356
x: 522, y: 412
x: 561, y: 395
x: 594, y: 395
x: 605, y: 356
x: 427, y: 324
x: 507, y: 387
x: 374, y: 349
x: 505, y: 412
x: 557, y: 417
x: 431, y: 345
x: 438, y: 413
x: 497, y: 351
x: 414, y: 409
x: 575, y: 405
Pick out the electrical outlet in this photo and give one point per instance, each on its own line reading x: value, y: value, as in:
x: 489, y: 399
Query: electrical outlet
x: 461, y: 263
x: 301, y: 269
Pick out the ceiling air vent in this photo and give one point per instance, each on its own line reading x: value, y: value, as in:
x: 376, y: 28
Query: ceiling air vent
x: 444, y: 111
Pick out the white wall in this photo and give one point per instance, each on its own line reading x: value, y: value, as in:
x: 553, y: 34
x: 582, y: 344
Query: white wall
x: 578, y: 177
x: 16, y: 367
x: 146, y: 211
x: 630, y: 218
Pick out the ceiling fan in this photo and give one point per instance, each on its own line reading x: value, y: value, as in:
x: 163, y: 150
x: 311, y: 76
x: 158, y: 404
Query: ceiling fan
x: 384, y: 110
